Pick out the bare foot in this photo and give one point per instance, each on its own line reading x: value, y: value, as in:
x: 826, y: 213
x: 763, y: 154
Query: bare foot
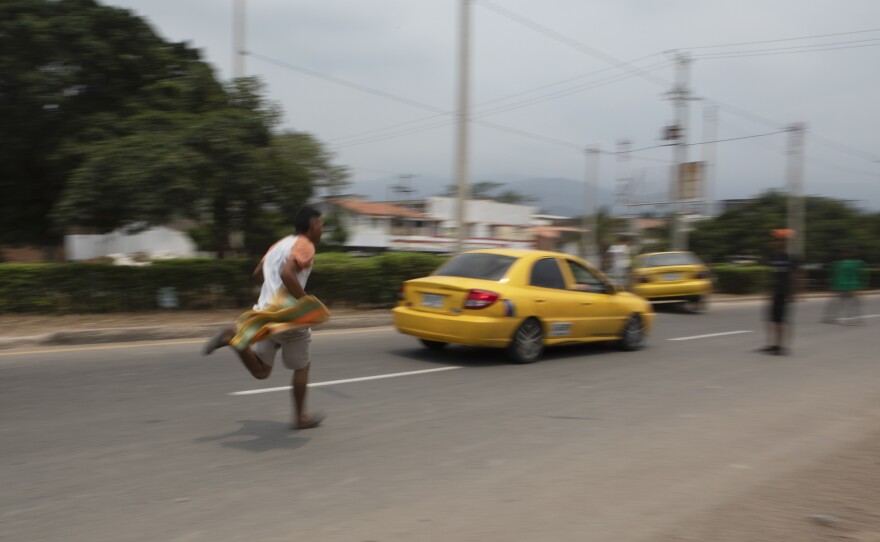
x: 307, y: 422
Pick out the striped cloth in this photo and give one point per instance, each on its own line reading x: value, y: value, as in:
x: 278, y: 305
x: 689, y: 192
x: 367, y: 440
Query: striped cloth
x: 284, y: 313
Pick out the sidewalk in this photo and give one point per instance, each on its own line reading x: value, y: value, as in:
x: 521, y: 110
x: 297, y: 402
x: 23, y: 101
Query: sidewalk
x: 26, y: 330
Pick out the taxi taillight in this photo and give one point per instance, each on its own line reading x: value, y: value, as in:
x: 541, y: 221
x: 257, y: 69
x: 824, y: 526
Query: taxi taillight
x: 480, y: 299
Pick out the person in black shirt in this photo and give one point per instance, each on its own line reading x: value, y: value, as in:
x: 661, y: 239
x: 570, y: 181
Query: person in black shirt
x: 784, y: 270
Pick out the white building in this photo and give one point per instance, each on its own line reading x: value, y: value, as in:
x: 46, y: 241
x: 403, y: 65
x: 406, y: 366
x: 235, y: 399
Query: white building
x: 431, y: 225
x: 374, y: 225
x: 158, y: 241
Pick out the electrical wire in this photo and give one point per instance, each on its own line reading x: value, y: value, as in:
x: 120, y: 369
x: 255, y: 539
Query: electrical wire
x: 503, y: 108
x: 497, y: 110
x: 785, y: 39
x: 570, y: 42
x: 770, y: 52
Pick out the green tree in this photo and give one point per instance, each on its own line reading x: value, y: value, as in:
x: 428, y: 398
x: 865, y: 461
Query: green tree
x: 109, y: 125
x: 70, y: 72
x: 830, y: 225
x: 485, y: 189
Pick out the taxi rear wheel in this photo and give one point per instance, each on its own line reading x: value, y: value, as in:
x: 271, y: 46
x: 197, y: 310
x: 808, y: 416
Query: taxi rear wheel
x: 696, y: 305
x: 432, y: 345
x: 633, y: 336
x: 528, y: 342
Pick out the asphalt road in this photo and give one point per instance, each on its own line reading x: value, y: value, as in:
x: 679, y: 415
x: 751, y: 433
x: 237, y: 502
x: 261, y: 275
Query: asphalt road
x: 153, y: 442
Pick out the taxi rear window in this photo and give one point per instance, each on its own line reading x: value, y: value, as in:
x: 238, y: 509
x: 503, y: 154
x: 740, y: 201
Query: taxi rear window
x: 675, y: 258
x: 477, y: 266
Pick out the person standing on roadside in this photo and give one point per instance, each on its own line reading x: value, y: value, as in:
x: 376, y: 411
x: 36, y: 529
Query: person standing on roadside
x: 848, y: 276
x: 283, y: 301
x: 620, y: 261
x: 785, y: 275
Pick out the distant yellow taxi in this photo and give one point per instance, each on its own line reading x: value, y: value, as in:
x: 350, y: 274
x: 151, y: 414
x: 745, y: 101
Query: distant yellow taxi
x: 521, y: 300
x: 672, y: 277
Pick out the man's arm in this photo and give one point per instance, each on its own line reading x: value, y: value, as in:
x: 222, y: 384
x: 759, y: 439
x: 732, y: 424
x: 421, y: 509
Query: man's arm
x: 290, y: 280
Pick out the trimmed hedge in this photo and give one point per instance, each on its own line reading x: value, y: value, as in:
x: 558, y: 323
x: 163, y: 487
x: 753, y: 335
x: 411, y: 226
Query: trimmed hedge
x: 756, y: 279
x: 338, y: 279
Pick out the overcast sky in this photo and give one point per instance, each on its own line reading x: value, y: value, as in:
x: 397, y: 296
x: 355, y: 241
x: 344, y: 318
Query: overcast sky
x: 530, y: 48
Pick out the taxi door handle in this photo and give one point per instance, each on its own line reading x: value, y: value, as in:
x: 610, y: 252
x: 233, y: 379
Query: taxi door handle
x: 540, y: 301
x: 586, y: 302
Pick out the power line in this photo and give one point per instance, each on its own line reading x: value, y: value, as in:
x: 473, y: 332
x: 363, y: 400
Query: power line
x: 343, y: 82
x: 822, y: 163
x: 571, y: 42
x: 636, y: 71
x: 738, y: 138
x: 500, y: 109
x: 537, y: 27
x: 769, y: 52
x: 785, y: 39
x: 503, y: 108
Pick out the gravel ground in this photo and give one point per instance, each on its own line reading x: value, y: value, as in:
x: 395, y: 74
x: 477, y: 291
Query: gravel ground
x: 837, y: 499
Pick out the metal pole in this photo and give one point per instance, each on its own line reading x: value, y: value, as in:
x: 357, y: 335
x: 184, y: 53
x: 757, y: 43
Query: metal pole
x: 461, y: 161
x: 590, y: 221
x: 680, y: 97
x: 795, y: 184
x: 238, y: 39
x: 710, y: 129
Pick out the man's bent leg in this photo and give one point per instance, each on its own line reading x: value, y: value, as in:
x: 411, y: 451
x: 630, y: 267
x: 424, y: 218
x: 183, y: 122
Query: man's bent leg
x: 253, y: 364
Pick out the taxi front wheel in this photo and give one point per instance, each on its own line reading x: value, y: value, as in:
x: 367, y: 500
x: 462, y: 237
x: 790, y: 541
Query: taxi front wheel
x: 528, y: 342
x: 633, y: 336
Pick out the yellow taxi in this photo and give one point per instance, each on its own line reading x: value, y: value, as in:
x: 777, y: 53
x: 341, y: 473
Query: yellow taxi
x: 672, y: 277
x: 521, y: 300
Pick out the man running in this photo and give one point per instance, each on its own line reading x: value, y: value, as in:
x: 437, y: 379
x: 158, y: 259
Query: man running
x: 285, y: 268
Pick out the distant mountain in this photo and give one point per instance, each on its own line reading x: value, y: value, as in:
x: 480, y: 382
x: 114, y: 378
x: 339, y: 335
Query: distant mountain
x: 558, y: 196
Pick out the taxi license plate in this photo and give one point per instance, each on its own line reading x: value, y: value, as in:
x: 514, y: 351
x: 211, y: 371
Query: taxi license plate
x: 671, y: 276
x: 435, y: 301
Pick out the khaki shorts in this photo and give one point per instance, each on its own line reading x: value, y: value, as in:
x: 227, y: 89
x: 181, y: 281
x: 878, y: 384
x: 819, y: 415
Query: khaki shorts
x: 294, y: 345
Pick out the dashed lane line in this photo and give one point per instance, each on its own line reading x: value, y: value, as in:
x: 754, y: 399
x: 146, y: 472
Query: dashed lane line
x: 346, y: 381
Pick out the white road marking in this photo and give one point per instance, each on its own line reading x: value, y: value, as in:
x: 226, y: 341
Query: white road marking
x: 711, y: 335
x: 346, y: 381
x: 860, y: 317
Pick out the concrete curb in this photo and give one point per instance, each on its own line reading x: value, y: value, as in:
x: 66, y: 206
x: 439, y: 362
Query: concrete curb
x: 164, y: 333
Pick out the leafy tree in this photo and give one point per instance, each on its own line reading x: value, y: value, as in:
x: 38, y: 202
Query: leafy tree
x: 110, y: 125
x: 484, y: 189
x: 831, y: 225
x: 70, y: 72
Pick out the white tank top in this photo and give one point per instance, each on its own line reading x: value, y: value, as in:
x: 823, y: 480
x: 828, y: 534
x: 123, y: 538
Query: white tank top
x: 273, y: 263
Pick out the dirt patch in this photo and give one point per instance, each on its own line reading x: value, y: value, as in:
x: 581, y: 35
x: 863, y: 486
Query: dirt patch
x: 837, y: 499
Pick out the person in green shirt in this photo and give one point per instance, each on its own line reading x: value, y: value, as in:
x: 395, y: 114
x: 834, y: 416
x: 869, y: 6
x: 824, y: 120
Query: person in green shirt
x: 848, y: 276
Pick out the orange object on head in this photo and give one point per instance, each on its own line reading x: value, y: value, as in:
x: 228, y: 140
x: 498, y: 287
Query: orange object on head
x: 784, y: 233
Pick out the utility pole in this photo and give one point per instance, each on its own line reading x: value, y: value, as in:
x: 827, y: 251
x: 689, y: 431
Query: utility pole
x: 461, y: 159
x: 404, y: 186
x: 590, y: 221
x: 710, y: 131
x: 238, y: 50
x: 795, y: 184
x: 680, y: 96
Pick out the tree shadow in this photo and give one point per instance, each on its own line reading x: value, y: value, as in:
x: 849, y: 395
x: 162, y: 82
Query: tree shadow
x: 259, y: 436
